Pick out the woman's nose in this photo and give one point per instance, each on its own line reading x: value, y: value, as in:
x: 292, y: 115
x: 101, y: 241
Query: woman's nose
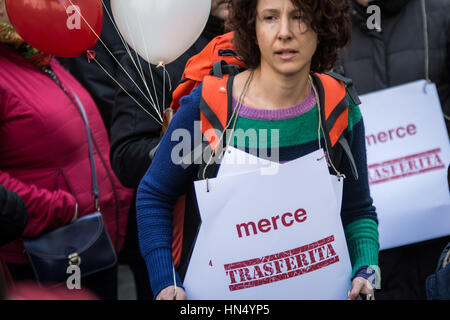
x: 285, y: 31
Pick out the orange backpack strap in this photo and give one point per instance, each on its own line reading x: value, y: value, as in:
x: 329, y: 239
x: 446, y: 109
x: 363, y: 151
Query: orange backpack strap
x: 218, y: 56
x: 334, y: 103
x: 215, y: 107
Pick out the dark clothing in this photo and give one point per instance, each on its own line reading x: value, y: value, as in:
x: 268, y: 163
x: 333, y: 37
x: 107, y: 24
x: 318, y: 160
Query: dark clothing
x: 13, y: 216
x: 13, y: 220
x: 131, y: 255
x: 438, y: 284
x: 404, y: 270
x: 103, y: 90
x: 395, y: 55
x: 133, y: 132
x: 101, y: 87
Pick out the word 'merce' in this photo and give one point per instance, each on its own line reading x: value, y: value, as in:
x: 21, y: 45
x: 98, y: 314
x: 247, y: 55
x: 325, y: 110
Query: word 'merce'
x: 265, y: 225
x: 391, y: 134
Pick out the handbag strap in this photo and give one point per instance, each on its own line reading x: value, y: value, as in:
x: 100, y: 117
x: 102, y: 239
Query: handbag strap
x: 95, y: 190
x: 79, y: 104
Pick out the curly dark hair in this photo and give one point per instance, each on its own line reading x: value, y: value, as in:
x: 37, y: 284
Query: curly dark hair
x: 330, y: 19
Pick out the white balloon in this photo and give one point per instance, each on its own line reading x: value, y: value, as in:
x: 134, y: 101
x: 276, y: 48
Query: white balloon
x: 160, y: 30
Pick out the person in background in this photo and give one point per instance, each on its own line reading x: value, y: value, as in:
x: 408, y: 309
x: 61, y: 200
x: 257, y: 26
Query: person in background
x: 135, y: 135
x: 438, y: 284
x: 108, y: 50
x: 281, y: 42
x: 44, y: 155
x: 398, y: 53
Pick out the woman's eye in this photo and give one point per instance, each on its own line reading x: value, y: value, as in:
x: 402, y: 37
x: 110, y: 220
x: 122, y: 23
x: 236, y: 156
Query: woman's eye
x: 269, y: 18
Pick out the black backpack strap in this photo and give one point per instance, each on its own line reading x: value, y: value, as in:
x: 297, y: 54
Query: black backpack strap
x: 229, y: 53
x: 348, y: 84
x: 221, y: 67
x: 345, y: 147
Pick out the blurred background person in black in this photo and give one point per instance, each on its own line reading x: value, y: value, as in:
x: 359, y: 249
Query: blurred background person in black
x: 402, y: 50
x: 135, y: 134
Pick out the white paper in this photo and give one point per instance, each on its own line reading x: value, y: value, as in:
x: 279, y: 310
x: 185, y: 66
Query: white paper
x: 233, y: 200
x: 414, y: 204
x: 236, y: 162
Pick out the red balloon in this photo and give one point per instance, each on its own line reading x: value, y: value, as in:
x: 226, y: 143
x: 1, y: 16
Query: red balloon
x: 63, y: 28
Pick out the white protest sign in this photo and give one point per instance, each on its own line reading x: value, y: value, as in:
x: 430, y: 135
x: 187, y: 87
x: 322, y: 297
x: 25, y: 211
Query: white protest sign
x: 237, y: 161
x: 408, y: 153
x: 270, y: 236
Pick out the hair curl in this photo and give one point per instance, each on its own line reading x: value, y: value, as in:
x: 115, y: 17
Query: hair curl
x: 330, y: 19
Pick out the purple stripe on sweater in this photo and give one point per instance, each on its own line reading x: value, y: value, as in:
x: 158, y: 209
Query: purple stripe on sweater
x: 278, y: 114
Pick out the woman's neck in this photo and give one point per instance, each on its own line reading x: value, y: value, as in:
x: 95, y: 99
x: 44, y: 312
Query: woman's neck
x: 274, y: 91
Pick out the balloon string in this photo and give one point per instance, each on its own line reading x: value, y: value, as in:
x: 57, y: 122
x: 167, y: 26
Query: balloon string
x: 151, y: 74
x: 125, y: 44
x: 127, y: 48
x: 164, y: 86
x: 148, y: 60
x: 120, y: 65
x: 170, y: 80
x: 144, y: 109
x: 165, y: 72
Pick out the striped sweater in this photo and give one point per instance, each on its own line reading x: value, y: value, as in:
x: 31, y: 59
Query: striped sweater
x: 297, y: 129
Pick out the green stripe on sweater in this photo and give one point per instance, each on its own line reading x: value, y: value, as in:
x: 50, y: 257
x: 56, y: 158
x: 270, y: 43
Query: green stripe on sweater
x: 251, y: 133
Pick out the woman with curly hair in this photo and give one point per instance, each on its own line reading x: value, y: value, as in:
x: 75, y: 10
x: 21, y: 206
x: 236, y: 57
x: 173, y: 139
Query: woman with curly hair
x: 284, y: 44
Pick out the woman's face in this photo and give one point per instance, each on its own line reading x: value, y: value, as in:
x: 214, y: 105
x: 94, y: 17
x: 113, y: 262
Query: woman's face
x: 286, y: 42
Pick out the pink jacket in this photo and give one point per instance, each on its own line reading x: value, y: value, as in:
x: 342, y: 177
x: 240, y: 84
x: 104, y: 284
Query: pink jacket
x: 44, y: 153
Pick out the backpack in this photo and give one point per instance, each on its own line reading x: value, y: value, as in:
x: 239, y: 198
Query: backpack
x: 215, y: 67
x: 217, y: 57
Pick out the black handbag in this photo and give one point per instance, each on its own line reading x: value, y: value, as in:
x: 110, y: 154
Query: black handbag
x: 84, y: 243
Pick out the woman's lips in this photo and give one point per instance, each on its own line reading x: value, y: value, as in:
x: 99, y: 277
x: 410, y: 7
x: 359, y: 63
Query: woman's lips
x: 287, y: 55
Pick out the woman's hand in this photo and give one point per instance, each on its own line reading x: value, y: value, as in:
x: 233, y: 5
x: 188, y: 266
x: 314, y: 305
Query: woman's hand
x: 168, y: 293
x: 361, y: 286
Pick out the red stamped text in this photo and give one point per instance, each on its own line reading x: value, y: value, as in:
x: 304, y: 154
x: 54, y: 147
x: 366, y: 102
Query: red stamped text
x: 281, y: 266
